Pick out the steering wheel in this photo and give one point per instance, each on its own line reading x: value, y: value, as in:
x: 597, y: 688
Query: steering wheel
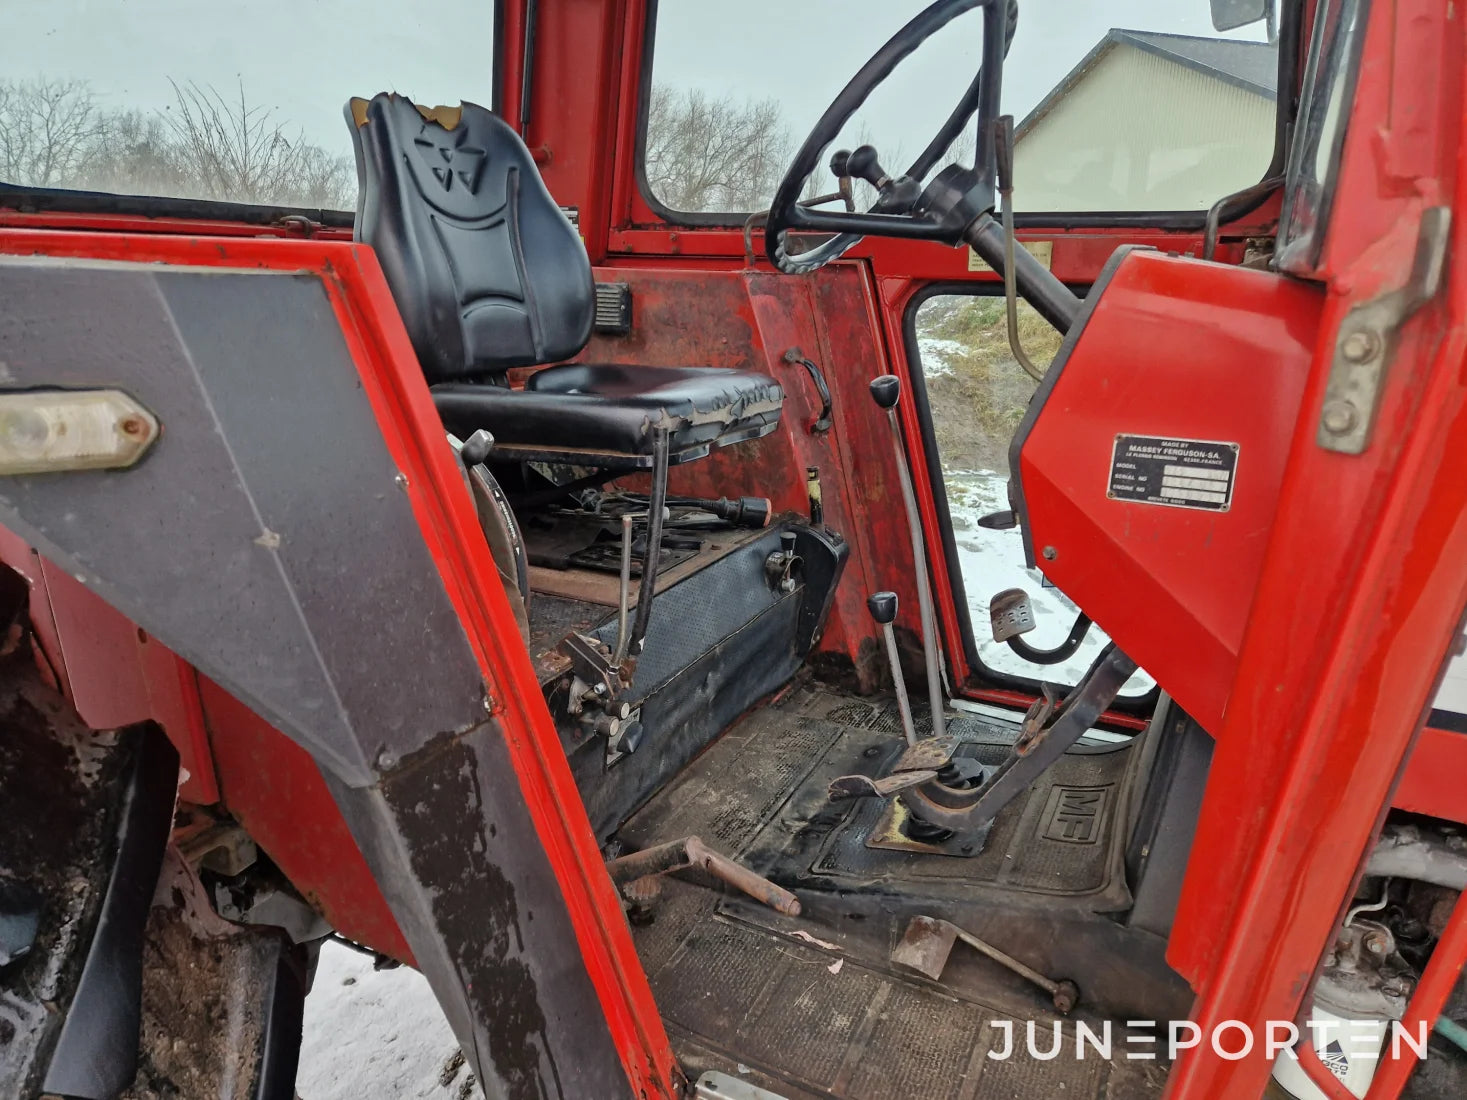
x: 951, y: 203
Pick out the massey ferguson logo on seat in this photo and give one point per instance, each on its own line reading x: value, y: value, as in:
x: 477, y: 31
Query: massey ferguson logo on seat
x: 1075, y: 814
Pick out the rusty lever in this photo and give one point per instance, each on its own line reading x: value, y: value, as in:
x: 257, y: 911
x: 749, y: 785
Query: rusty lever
x: 679, y: 855
x: 928, y: 943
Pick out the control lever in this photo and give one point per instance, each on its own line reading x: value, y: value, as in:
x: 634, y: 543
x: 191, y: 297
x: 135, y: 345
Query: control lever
x: 896, y: 194
x: 623, y: 594
x: 929, y: 941
x: 1004, y: 151
x: 886, y: 391
x: 691, y: 852
x: 860, y: 163
x: 782, y: 568
x: 883, y: 608
x: 1047, y: 734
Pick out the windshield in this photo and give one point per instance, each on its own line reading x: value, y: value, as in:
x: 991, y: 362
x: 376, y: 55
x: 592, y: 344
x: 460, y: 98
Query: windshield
x: 237, y: 101
x: 1120, y: 105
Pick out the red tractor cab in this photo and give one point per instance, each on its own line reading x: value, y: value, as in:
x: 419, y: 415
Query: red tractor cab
x: 952, y: 607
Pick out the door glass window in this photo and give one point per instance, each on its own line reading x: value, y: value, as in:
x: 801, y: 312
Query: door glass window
x: 977, y: 395
x: 1120, y: 105
x: 236, y: 101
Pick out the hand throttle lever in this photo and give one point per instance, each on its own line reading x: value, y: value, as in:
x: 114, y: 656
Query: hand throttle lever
x: 898, y: 194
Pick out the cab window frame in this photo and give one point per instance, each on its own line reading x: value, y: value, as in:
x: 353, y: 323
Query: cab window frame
x: 980, y: 674
x: 1286, y: 108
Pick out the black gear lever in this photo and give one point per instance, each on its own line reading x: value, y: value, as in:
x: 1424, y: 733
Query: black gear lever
x: 883, y: 608
x: 896, y: 194
x: 861, y: 164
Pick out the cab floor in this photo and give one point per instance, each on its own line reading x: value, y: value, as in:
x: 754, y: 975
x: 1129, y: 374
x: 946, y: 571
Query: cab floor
x: 812, y: 1006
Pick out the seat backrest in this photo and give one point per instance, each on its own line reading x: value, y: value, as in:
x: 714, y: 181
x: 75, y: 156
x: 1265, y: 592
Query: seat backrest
x: 487, y: 272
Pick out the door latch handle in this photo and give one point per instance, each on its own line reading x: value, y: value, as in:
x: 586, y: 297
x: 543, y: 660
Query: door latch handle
x: 824, y: 420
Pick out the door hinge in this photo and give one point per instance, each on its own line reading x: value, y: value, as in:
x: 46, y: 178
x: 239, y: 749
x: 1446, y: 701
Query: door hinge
x: 1366, y: 342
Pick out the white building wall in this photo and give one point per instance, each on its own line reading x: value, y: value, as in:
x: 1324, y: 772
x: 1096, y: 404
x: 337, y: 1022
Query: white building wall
x: 1139, y: 132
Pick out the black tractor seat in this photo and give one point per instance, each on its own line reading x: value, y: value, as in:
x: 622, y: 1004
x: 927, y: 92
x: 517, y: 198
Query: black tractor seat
x: 611, y: 414
x: 489, y: 274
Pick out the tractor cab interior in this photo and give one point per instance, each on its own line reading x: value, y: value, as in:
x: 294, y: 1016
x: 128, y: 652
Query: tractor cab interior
x: 703, y: 736
x: 895, y: 708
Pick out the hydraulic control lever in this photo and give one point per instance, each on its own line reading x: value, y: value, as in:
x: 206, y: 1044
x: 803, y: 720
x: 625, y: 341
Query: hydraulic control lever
x: 883, y: 608
x: 895, y: 194
x: 886, y: 391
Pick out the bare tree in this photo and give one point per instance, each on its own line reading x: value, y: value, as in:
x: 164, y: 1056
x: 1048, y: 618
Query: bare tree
x: 55, y: 133
x: 237, y: 152
x: 723, y: 155
x: 134, y: 154
x: 48, y: 130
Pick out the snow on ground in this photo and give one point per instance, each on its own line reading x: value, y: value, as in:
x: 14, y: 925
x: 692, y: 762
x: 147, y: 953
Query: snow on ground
x: 992, y: 561
x: 377, y: 1033
x: 935, y: 352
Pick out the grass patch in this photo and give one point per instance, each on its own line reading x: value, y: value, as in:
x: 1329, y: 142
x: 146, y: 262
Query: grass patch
x: 979, y: 399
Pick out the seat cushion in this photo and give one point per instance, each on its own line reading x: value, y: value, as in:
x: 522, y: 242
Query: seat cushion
x: 588, y: 410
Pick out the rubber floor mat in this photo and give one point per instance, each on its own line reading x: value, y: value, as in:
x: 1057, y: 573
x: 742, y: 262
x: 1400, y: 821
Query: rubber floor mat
x: 820, y: 1018
x: 813, y: 1007
x: 760, y: 791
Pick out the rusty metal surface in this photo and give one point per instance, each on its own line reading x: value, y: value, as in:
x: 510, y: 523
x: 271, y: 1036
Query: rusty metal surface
x: 861, y: 786
x: 928, y: 941
x: 691, y: 852
x: 747, y: 320
x: 598, y: 587
x: 928, y: 753
x: 925, y: 946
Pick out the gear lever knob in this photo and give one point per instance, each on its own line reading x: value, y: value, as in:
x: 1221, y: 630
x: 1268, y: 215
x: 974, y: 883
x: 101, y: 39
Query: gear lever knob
x: 886, y: 390
x: 883, y: 607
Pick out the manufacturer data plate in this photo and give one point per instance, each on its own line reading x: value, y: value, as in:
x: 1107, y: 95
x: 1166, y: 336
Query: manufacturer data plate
x: 1183, y: 473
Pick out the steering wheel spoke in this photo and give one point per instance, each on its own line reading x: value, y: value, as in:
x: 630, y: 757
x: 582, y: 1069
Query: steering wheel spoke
x: 900, y: 210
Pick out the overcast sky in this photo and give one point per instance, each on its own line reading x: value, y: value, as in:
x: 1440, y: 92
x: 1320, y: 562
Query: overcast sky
x: 306, y: 57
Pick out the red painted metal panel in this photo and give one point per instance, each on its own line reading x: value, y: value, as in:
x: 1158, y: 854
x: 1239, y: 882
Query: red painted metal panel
x: 174, y: 703
x: 275, y: 790
x: 1362, y: 588
x: 1224, y: 360
x: 1432, y: 783
x: 399, y: 395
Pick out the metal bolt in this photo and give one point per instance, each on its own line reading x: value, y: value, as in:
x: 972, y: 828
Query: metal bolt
x: 401, y: 480
x: 1050, y: 553
x: 1377, y: 943
x: 133, y: 425
x: 1066, y: 995
x: 1339, y: 417
x: 1359, y: 346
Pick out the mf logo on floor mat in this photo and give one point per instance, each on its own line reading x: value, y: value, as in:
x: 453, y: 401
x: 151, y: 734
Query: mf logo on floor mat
x: 1074, y: 815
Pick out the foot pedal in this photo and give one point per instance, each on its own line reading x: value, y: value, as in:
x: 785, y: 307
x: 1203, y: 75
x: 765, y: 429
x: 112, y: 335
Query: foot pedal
x: 1010, y: 614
